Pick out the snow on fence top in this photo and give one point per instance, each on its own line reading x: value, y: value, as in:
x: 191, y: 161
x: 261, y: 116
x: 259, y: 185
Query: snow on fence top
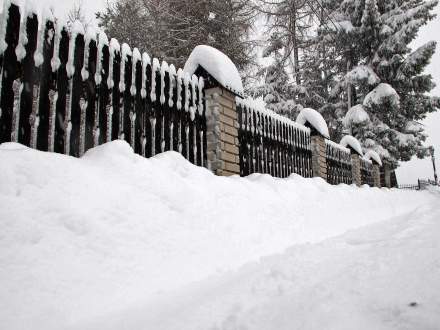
x: 356, y: 115
x: 315, y: 119
x: 337, y: 146
x: 373, y: 155
x: 218, y: 65
x: 258, y: 107
x: 353, y: 143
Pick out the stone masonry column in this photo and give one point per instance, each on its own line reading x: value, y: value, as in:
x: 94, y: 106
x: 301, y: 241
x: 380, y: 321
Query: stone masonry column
x: 222, y: 132
x: 356, y: 169
x: 319, y: 156
x: 376, y: 175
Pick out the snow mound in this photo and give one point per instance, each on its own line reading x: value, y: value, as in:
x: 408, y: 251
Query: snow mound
x: 362, y: 73
x: 217, y: 65
x: 315, y: 119
x: 383, y: 92
x: 356, y: 115
x: 353, y: 143
x: 83, y: 241
x: 373, y: 155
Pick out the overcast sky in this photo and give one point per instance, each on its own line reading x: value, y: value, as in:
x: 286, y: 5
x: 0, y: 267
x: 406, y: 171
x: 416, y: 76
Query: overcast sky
x: 408, y: 172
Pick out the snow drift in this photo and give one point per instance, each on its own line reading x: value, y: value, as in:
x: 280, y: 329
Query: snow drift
x: 85, y: 239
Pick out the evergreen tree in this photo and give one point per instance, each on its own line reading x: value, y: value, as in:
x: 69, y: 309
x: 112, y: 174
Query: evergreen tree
x: 379, y: 91
x: 278, y: 91
x: 170, y: 29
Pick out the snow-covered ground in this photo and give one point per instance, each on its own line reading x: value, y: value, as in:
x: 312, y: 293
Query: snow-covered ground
x: 115, y: 241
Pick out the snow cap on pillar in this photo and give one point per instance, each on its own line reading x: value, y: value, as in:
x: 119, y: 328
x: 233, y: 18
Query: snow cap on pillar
x: 313, y: 119
x: 216, y: 64
x: 352, y: 143
x: 374, y: 156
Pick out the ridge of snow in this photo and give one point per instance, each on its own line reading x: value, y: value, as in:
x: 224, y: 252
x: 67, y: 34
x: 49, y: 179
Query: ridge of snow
x: 353, y: 143
x: 315, y: 119
x: 217, y: 64
x: 373, y: 155
x: 151, y: 235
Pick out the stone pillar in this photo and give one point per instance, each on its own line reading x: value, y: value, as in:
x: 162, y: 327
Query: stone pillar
x: 222, y: 132
x: 356, y: 169
x: 319, y: 156
x: 387, y: 170
x: 376, y: 175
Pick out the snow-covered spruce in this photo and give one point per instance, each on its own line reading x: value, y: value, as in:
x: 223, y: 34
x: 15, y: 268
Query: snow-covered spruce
x: 352, y: 143
x: 382, y: 93
x: 362, y: 73
x: 356, y: 115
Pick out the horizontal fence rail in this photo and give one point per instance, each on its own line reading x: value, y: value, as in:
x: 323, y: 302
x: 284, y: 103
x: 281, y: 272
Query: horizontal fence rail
x: 339, y: 168
x: 367, y: 172
x: 271, y: 144
x: 68, y: 91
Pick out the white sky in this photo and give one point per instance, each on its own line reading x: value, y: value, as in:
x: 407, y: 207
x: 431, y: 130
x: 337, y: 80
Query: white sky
x: 409, y: 172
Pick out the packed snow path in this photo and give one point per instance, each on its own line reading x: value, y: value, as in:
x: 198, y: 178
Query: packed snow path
x: 116, y: 241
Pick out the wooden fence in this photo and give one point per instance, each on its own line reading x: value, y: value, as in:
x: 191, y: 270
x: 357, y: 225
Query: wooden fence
x: 367, y: 172
x: 69, y: 91
x: 339, y: 168
x: 272, y: 144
